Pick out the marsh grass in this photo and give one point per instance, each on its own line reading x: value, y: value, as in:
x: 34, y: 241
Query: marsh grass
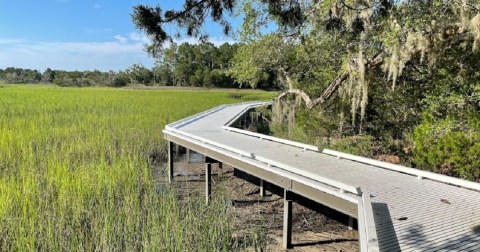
x: 76, y: 172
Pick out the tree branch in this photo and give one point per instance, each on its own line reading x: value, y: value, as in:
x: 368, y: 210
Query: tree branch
x: 288, y: 80
x: 333, y: 87
x: 181, y: 13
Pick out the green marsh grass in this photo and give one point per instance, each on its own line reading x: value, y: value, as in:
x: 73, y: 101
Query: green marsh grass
x: 76, y: 172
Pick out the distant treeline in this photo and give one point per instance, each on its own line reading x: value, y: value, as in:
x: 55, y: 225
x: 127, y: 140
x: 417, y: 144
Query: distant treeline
x: 200, y: 65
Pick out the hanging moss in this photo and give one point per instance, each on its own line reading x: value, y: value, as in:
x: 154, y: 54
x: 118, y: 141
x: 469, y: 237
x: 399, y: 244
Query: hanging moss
x: 475, y: 28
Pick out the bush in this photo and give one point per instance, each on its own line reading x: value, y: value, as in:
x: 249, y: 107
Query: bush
x: 121, y: 81
x: 450, y: 146
x: 356, y: 145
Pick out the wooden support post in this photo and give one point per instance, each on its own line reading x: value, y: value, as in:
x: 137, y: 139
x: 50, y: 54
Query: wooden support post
x: 287, y: 220
x: 187, y: 158
x: 208, y: 182
x: 262, y: 188
x: 177, y: 150
x: 350, y: 223
x: 220, y: 169
x: 170, y: 162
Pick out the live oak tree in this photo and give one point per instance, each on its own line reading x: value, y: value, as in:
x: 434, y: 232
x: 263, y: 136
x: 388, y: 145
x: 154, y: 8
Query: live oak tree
x: 49, y: 75
x: 140, y: 74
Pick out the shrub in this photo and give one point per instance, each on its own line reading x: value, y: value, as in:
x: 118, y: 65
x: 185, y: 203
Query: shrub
x: 450, y: 146
x: 356, y: 145
x: 121, y: 81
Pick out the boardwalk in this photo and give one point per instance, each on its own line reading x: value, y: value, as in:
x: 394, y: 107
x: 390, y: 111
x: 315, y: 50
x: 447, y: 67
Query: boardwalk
x: 407, y: 213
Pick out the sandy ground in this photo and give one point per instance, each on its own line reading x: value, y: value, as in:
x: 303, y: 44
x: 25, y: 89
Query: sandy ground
x: 315, y: 227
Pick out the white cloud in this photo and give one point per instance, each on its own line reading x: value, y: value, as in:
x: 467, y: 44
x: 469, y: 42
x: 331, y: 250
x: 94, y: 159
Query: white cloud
x: 138, y: 37
x: 119, y: 53
x: 121, y: 39
x: 104, y: 30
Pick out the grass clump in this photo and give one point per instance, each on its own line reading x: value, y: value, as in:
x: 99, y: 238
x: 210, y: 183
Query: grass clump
x: 76, y: 172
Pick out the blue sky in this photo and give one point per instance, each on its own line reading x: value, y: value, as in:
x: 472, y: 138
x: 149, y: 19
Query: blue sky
x: 77, y: 34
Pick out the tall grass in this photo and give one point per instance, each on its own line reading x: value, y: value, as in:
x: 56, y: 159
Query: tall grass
x: 76, y: 175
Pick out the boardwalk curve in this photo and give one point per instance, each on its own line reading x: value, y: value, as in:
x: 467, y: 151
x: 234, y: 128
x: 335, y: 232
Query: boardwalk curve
x: 397, y: 208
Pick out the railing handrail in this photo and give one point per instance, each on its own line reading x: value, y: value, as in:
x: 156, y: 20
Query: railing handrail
x: 341, y: 186
x: 263, y: 136
x: 263, y: 165
x: 273, y: 139
x: 203, y: 140
x: 197, y: 116
x: 366, y: 225
x: 235, y: 118
x: 403, y: 169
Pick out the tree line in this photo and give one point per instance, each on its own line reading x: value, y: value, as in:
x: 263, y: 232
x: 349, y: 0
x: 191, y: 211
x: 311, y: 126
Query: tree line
x: 188, y: 65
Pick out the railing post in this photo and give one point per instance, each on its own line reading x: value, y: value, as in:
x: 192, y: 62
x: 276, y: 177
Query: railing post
x: 287, y: 220
x: 187, y: 153
x: 170, y: 162
x: 177, y: 149
x: 220, y: 169
x: 208, y: 182
x: 350, y: 223
x: 262, y: 188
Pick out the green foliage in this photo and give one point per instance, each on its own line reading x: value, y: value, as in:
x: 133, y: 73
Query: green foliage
x: 254, y: 63
x: 356, y: 145
x: 189, y: 19
x: 140, y: 74
x: 121, y: 81
x: 18, y: 75
x: 49, y: 75
x: 201, y: 65
x: 76, y: 172
x: 450, y: 145
x: 59, y: 77
x: 316, y: 127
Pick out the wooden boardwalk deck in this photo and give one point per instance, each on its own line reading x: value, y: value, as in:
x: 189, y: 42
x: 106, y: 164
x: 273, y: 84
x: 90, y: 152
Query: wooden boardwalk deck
x: 409, y: 214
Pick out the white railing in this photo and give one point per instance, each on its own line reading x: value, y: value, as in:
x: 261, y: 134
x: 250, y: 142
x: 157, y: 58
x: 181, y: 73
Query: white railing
x: 341, y: 186
x: 206, y: 141
x: 262, y: 136
x: 366, y: 225
x: 273, y: 139
x: 268, y: 162
x: 410, y: 171
x: 197, y: 116
x: 233, y: 152
x: 240, y: 114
